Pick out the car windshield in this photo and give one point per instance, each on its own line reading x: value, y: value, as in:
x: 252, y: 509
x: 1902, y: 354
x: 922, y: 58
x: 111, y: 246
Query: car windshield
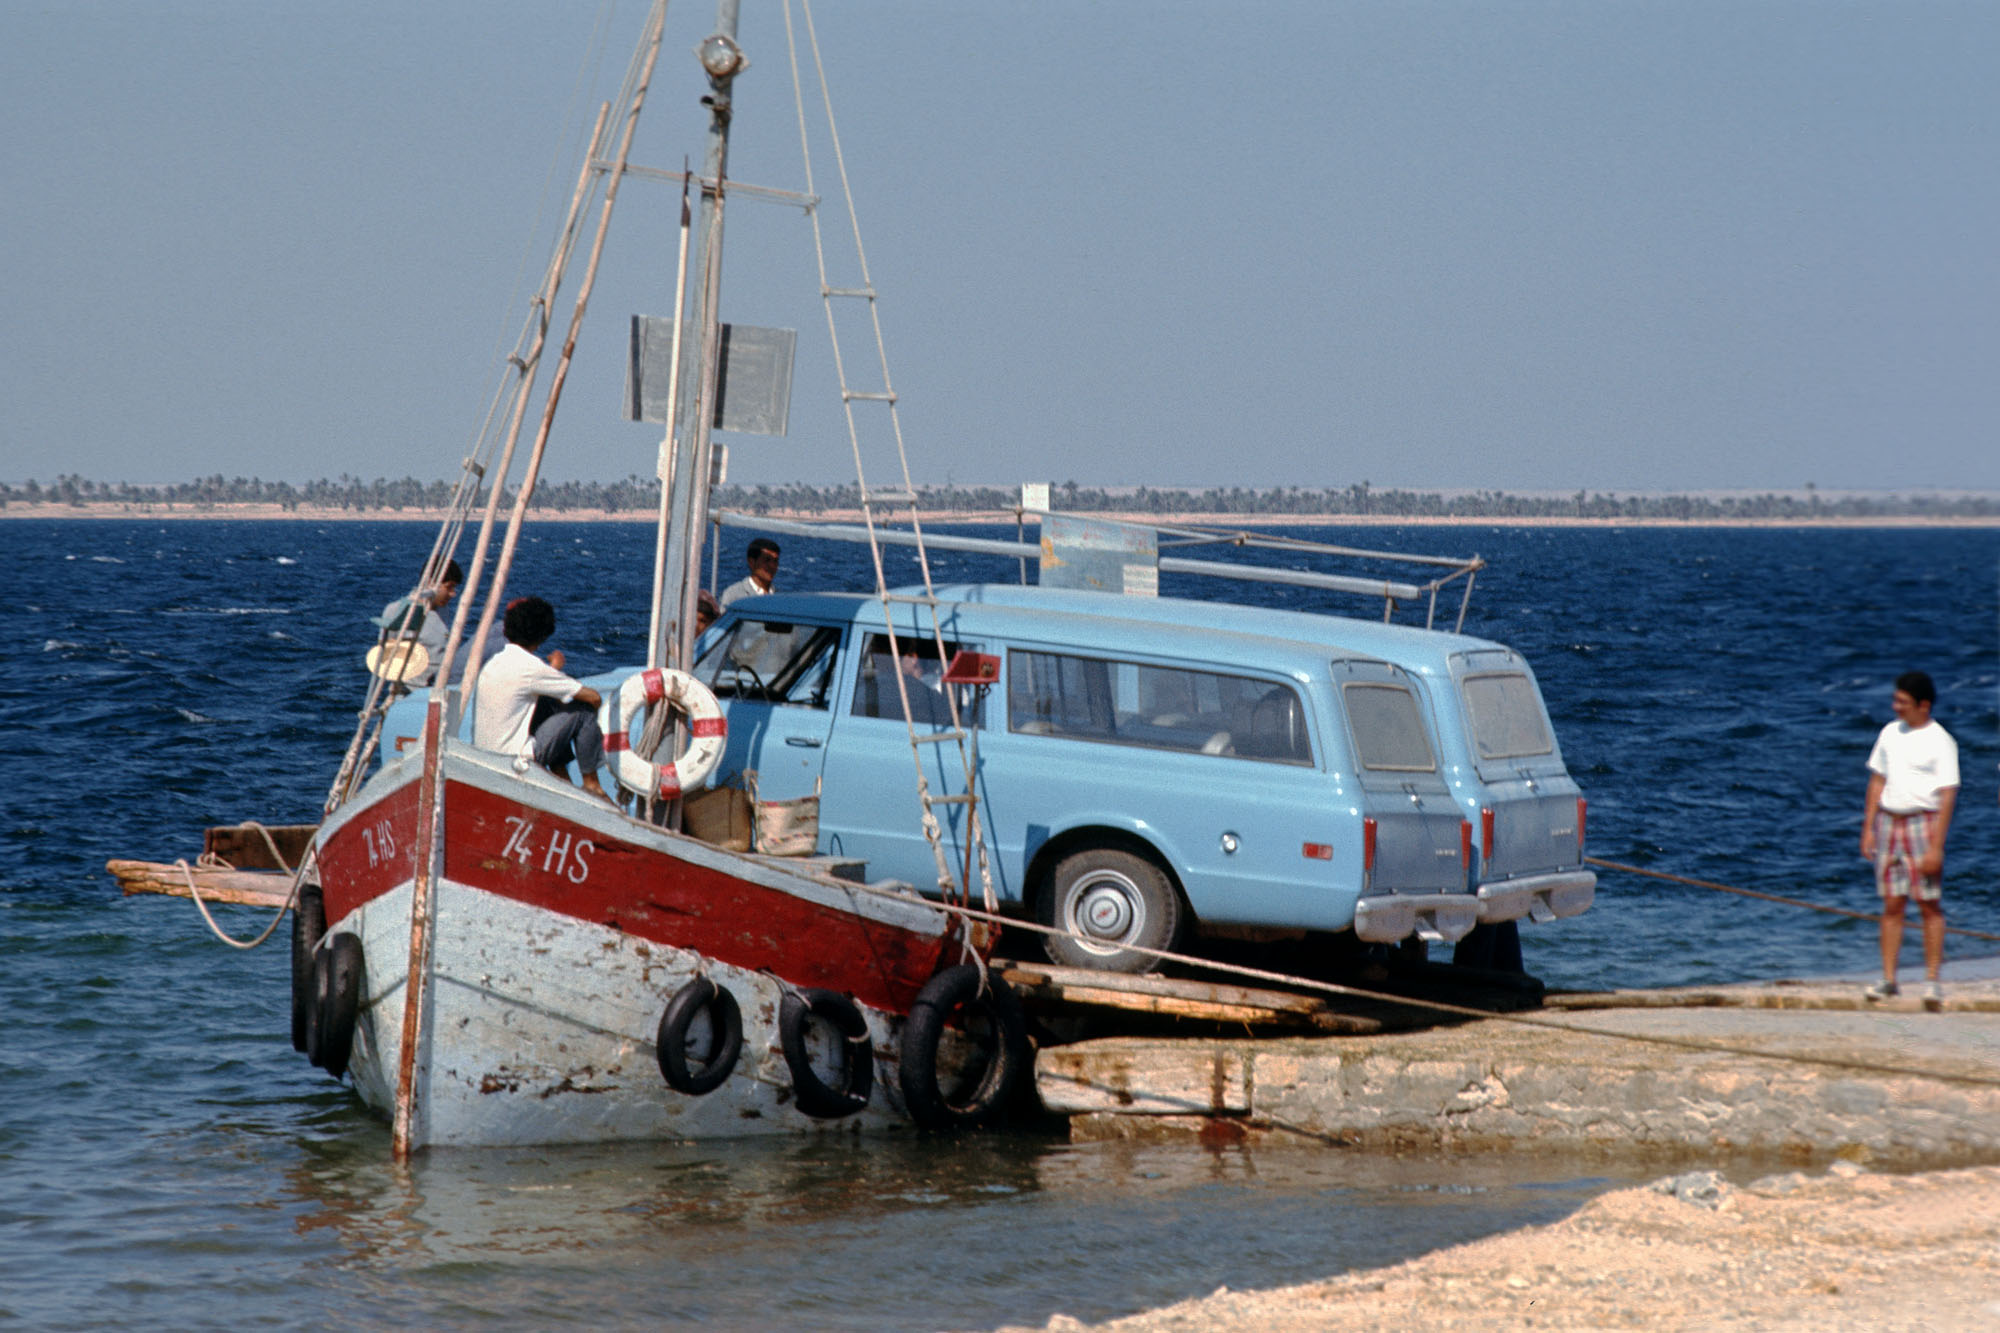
x: 775, y: 661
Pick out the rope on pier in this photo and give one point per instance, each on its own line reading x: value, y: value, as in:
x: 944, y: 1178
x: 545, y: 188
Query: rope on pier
x: 291, y: 895
x: 1466, y: 1011
x: 1773, y: 897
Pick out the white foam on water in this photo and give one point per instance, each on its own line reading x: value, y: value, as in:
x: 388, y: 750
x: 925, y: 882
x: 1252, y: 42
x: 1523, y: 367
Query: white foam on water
x: 58, y: 645
x: 286, y: 560
x: 193, y: 716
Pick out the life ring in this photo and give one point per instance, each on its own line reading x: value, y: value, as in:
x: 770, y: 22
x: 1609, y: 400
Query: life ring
x: 810, y: 1092
x: 337, y: 972
x: 996, y: 1040
x: 707, y: 730
x: 308, y: 926
x: 698, y: 1076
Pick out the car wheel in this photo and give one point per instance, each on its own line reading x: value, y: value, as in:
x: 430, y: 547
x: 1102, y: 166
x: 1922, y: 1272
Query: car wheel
x: 1107, y: 901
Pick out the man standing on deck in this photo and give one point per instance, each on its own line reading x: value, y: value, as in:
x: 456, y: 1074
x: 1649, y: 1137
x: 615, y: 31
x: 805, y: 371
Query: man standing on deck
x: 528, y: 707
x: 1912, y: 787
x: 762, y: 557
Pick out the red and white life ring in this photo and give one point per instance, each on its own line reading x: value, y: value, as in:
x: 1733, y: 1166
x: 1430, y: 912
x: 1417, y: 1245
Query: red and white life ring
x: 707, y: 729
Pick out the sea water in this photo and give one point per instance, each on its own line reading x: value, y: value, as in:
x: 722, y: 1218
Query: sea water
x: 166, y: 1158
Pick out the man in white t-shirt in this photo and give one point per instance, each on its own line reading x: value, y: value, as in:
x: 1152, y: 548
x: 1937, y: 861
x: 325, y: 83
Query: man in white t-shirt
x: 528, y: 707
x: 1912, y: 787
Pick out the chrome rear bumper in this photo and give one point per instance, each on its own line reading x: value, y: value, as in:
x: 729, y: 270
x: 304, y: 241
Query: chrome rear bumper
x: 1436, y: 917
x: 1538, y: 897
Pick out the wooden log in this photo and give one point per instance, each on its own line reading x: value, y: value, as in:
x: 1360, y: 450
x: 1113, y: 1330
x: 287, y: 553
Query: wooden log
x: 1201, y: 1001
x: 251, y: 888
x: 1151, y: 1080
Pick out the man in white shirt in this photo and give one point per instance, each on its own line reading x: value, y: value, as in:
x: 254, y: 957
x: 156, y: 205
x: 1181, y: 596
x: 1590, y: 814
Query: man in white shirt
x: 1912, y: 787
x: 528, y: 707
x: 762, y: 557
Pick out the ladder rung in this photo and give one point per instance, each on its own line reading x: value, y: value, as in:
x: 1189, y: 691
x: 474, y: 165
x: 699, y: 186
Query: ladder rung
x: 960, y: 798
x: 940, y: 737
x: 890, y: 498
x: 859, y: 396
x: 867, y: 293
x: 910, y: 598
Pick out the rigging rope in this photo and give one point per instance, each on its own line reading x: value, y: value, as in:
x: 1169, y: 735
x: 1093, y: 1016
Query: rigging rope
x: 1772, y: 897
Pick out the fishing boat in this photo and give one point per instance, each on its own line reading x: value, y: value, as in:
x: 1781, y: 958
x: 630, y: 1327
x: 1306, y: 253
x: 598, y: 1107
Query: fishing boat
x: 495, y: 955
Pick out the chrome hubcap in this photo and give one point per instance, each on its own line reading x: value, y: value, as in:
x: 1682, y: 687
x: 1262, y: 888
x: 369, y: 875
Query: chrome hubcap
x: 1106, y: 906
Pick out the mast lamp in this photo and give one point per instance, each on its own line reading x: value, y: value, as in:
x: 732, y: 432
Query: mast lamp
x: 721, y: 56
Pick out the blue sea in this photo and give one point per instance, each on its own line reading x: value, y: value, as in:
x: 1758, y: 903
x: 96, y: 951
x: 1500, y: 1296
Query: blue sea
x: 167, y: 1160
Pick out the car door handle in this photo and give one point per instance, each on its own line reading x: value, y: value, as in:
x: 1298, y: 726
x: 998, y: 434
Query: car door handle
x: 804, y: 742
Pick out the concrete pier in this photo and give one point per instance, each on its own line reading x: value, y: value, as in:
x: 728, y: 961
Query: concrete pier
x: 1813, y: 1075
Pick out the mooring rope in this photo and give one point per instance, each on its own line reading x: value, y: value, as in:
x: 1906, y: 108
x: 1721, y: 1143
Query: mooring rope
x: 1466, y: 1011
x: 291, y: 895
x: 1772, y: 897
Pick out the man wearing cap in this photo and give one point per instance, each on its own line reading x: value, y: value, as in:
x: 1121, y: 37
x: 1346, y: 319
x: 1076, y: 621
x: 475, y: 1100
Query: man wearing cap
x: 1912, y: 787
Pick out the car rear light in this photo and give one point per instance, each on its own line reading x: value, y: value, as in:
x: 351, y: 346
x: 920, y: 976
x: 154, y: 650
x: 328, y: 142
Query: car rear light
x: 1581, y: 806
x: 1368, y: 845
x: 1318, y: 851
x: 1465, y: 843
x: 1486, y: 832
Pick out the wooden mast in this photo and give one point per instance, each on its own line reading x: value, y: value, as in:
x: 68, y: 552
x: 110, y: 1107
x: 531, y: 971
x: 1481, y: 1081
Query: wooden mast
x: 430, y: 795
x: 723, y: 60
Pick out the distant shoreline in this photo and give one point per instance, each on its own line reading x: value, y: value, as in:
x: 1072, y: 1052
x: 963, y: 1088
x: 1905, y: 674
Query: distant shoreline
x: 94, y: 511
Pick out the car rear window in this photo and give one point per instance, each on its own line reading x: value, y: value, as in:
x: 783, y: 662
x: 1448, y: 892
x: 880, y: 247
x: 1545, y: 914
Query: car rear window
x: 1388, y: 728
x: 1506, y: 716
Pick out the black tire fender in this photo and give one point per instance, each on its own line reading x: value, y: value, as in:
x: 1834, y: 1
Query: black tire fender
x: 810, y: 1093
x: 990, y: 1020
x: 338, y: 969
x: 308, y: 926
x: 695, y: 1076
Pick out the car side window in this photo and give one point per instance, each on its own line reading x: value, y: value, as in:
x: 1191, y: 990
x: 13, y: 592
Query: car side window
x: 915, y: 658
x: 772, y: 661
x: 1161, y: 708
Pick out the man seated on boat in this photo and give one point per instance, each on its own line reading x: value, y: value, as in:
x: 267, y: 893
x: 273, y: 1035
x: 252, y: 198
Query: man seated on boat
x: 528, y: 707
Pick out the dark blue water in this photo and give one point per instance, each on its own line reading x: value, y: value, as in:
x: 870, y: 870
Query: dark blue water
x: 166, y: 1159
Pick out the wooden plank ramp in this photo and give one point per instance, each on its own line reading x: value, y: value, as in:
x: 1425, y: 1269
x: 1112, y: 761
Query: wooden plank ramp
x: 1042, y: 984
x: 251, y: 888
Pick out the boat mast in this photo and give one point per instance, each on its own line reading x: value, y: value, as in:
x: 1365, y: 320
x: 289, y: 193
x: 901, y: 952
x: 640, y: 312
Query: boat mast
x: 687, y: 513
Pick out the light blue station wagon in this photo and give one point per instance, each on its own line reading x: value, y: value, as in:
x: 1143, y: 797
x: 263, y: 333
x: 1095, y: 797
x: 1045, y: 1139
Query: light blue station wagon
x: 1147, y: 767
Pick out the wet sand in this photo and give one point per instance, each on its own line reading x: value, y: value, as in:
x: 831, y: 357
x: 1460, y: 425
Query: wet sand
x: 1845, y: 1249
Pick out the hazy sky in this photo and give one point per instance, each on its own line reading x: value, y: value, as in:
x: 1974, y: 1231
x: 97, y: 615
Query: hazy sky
x: 1605, y: 243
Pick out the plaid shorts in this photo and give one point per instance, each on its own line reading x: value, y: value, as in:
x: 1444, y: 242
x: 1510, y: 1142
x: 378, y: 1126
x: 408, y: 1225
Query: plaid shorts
x: 1900, y: 841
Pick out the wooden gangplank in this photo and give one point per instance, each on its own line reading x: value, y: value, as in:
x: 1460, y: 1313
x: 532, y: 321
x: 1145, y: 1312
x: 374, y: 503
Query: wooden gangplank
x: 1043, y: 984
x: 252, y: 888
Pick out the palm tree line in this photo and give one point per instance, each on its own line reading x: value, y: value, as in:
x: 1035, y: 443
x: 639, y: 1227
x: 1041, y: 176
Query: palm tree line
x: 639, y: 495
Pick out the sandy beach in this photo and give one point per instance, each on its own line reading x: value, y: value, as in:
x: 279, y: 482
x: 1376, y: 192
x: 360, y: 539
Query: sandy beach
x: 309, y: 514
x: 1844, y: 1249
